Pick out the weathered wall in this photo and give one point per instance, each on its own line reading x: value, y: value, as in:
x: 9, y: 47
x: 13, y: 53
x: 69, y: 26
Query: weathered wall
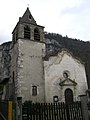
x: 13, y: 71
x: 54, y: 69
x: 32, y: 27
x: 29, y: 69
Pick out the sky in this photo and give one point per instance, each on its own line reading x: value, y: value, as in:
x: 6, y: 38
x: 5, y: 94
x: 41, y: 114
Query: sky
x: 65, y: 17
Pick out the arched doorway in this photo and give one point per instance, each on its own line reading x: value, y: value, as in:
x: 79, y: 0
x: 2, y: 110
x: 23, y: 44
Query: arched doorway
x: 68, y: 96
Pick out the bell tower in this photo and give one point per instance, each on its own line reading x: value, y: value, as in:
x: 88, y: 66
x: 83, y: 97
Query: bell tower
x: 27, y: 59
x: 27, y: 28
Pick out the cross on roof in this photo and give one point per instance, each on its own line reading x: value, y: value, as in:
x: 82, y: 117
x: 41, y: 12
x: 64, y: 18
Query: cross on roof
x: 27, y: 5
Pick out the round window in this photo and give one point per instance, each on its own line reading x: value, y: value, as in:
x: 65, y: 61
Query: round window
x: 66, y: 74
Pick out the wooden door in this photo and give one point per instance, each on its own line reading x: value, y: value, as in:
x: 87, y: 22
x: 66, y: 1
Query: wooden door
x: 68, y: 96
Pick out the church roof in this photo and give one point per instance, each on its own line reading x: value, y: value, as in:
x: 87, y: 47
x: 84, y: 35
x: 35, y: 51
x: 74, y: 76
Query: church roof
x: 27, y: 17
x: 64, y: 51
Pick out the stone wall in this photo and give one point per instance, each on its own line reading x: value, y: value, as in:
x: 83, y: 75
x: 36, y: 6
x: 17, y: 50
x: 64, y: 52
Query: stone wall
x: 28, y: 67
x: 54, y: 69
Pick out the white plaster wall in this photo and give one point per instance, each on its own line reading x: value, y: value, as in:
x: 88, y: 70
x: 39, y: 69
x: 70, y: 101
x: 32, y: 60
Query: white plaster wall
x: 30, y: 70
x: 54, y: 69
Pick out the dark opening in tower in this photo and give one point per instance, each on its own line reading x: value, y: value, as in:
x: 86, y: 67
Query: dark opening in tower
x: 36, y: 34
x: 27, y: 32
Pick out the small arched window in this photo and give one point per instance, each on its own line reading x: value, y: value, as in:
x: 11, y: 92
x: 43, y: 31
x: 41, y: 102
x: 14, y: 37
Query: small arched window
x: 36, y: 34
x: 34, y: 90
x: 13, y: 77
x: 30, y: 16
x: 27, y: 32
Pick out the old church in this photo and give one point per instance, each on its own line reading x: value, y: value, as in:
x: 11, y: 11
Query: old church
x: 29, y: 72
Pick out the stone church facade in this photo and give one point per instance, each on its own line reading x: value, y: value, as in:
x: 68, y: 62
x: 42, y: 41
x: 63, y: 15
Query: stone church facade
x: 65, y: 77
x: 32, y: 76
